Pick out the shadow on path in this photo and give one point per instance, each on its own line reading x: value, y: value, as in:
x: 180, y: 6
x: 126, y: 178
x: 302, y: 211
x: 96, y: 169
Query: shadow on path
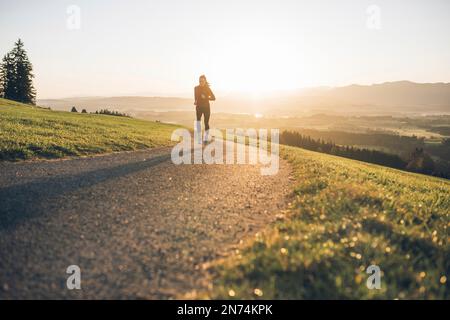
x: 24, y: 201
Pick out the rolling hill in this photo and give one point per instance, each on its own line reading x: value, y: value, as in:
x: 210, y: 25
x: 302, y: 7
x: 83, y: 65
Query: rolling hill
x: 128, y: 104
x: 399, y: 97
x: 31, y: 132
x: 345, y: 216
x: 386, y: 98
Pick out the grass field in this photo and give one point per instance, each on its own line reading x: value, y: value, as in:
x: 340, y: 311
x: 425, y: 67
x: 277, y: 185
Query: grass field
x: 29, y: 132
x: 346, y: 215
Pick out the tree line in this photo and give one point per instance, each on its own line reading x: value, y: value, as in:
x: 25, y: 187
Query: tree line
x: 417, y: 161
x: 401, y: 144
x: 16, y: 76
x: 104, y: 111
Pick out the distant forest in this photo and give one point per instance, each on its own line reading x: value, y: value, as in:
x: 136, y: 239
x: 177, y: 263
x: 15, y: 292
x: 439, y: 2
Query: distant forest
x: 112, y: 113
x: 418, y: 160
x: 370, y: 138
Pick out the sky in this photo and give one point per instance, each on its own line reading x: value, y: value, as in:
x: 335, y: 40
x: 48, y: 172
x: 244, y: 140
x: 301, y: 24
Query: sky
x: 160, y: 47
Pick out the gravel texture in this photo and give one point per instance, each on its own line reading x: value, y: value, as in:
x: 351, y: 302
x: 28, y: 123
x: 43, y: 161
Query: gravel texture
x: 138, y: 226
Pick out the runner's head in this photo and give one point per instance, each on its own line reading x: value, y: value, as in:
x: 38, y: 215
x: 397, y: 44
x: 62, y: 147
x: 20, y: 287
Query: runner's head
x: 202, y: 80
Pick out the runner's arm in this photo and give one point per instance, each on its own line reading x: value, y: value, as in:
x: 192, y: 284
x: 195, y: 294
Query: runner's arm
x: 211, y: 97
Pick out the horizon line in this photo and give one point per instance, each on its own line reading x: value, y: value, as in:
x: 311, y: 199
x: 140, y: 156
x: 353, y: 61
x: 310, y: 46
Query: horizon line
x: 184, y: 95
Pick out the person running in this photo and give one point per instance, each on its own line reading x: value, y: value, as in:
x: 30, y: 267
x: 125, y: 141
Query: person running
x: 203, y: 94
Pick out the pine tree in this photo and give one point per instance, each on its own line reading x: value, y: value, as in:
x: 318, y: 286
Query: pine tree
x: 16, y: 75
x: 24, y: 76
x: 7, y: 77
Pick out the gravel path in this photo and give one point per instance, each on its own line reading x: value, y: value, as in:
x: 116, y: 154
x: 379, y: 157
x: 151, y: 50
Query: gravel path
x: 137, y: 225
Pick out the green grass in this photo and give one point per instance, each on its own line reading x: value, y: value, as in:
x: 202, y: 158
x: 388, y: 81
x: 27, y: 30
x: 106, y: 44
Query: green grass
x: 28, y: 132
x: 346, y: 215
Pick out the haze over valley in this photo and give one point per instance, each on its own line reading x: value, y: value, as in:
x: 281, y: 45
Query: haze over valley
x: 390, y: 98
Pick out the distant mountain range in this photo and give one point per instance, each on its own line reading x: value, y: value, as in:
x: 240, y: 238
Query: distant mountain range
x: 384, y: 98
x: 400, y: 96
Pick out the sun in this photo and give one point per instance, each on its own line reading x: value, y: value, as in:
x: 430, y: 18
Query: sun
x: 256, y: 66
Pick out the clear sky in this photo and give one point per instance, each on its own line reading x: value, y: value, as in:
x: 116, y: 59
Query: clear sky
x: 160, y: 47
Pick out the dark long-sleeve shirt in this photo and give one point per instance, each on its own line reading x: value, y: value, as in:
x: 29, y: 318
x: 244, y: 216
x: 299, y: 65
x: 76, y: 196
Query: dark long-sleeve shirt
x: 203, y: 95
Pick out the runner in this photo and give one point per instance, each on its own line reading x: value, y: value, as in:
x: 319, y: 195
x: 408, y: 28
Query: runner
x: 203, y: 95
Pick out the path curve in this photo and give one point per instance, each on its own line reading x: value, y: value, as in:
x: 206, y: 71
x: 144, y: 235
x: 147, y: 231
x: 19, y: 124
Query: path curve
x: 137, y: 225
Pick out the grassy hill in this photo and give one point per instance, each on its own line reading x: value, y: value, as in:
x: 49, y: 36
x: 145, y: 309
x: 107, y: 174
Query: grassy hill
x: 32, y: 132
x: 346, y: 215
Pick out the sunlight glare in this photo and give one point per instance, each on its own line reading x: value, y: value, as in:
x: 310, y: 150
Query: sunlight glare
x: 257, y: 65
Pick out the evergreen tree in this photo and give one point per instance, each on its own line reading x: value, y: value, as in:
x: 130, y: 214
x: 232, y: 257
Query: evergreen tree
x: 16, y: 75
x: 24, y: 76
x: 7, y: 77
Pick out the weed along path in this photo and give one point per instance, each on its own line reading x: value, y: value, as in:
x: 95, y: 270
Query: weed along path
x: 136, y: 225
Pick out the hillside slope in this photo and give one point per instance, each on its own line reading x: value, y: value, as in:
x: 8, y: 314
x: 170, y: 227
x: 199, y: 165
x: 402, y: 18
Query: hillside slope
x: 346, y: 216
x: 126, y: 103
x: 31, y: 132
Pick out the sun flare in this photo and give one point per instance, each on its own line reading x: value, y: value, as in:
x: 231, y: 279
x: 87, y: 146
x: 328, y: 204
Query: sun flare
x: 257, y: 65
